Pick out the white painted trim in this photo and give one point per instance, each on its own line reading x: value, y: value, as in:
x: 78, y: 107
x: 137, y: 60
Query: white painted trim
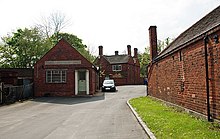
x: 76, y: 82
x: 87, y: 82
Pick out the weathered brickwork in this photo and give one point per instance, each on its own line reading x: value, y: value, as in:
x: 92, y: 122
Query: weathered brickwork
x: 130, y: 72
x: 180, y: 78
x: 62, y: 51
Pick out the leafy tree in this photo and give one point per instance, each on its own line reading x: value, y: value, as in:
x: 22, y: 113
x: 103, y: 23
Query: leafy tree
x: 7, y: 56
x: 75, y: 42
x: 144, y: 59
x: 23, y: 48
x: 51, y: 28
x: 163, y: 44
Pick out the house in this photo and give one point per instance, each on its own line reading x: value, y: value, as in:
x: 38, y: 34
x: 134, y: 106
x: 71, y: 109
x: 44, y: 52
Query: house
x: 187, y: 72
x: 124, y: 69
x: 63, y: 71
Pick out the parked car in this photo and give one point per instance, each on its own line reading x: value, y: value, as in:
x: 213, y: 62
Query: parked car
x: 108, y: 85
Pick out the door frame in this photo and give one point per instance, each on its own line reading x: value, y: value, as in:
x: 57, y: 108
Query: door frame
x: 76, y: 81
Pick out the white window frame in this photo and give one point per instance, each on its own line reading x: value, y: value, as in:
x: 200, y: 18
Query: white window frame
x: 56, y: 76
x: 116, y: 67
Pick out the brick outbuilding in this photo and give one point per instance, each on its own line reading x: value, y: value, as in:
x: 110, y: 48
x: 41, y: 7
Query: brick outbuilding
x: 63, y: 71
x: 16, y: 76
x: 187, y: 72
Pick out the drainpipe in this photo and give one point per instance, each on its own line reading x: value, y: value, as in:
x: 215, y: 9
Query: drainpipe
x: 207, y: 77
x: 147, y: 80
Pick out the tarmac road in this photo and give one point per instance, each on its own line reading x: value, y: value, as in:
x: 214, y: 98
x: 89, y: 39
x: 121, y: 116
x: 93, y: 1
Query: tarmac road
x: 105, y: 116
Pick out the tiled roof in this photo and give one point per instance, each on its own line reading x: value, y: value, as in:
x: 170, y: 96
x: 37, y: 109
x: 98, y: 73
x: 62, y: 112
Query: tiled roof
x: 204, y: 25
x: 116, y: 59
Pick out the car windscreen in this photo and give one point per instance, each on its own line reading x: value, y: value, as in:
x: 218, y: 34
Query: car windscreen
x: 108, y: 82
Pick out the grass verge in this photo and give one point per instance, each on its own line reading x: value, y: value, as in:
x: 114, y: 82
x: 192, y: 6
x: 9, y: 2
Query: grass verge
x: 167, y: 122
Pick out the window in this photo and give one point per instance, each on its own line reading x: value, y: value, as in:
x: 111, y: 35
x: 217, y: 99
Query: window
x: 56, y: 76
x: 116, y: 67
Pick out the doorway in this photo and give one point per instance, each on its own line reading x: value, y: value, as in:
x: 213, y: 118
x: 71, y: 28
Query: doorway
x: 81, y: 82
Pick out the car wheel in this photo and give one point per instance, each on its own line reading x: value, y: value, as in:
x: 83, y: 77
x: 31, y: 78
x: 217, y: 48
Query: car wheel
x: 114, y: 89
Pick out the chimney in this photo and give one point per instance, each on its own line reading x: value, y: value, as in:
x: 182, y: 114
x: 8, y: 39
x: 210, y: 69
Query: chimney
x: 153, y: 42
x: 129, y: 49
x: 100, y: 50
x: 116, y: 53
x: 135, y: 53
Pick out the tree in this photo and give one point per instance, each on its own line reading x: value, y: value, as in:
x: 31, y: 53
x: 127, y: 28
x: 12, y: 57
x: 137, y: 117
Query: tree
x: 23, y: 48
x: 53, y: 24
x: 144, y: 59
x: 7, y: 56
x: 75, y: 42
x: 51, y: 28
x: 163, y: 44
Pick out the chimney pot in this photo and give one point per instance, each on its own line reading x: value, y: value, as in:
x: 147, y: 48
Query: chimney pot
x: 100, y: 50
x: 116, y: 52
x: 129, y: 49
x: 135, y: 52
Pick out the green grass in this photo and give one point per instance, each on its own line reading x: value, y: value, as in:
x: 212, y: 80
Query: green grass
x: 169, y: 123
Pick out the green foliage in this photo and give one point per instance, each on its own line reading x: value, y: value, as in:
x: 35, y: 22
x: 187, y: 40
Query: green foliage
x: 168, y: 122
x: 75, y: 42
x: 144, y: 59
x: 22, y: 49
x: 26, y: 46
x: 163, y: 44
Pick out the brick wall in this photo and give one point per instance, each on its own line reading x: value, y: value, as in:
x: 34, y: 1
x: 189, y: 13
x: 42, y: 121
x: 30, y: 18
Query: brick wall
x: 62, y: 51
x: 180, y: 77
x: 130, y: 73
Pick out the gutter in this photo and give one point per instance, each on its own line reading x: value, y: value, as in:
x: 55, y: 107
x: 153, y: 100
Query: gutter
x: 186, y: 44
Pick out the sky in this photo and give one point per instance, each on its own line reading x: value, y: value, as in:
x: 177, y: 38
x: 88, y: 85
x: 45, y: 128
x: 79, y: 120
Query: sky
x: 114, y: 24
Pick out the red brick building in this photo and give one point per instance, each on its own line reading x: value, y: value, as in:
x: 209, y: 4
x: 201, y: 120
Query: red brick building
x: 63, y: 71
x: 124, y: 69
x: 187, y: 73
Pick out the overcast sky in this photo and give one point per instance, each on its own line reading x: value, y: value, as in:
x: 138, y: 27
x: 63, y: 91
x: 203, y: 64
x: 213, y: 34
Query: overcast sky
x: 111, y: 23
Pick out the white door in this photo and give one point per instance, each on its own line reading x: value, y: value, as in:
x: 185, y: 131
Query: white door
x: 82, y: 82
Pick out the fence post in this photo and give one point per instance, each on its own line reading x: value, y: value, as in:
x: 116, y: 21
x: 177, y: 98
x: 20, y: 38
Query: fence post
x: 1, y: 92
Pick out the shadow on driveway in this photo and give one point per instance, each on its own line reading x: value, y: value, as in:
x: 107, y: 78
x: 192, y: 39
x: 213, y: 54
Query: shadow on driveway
x: 70, y: 100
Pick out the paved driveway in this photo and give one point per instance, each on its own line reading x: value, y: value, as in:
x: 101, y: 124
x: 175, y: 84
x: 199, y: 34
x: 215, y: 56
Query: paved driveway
x: 100, y: 117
